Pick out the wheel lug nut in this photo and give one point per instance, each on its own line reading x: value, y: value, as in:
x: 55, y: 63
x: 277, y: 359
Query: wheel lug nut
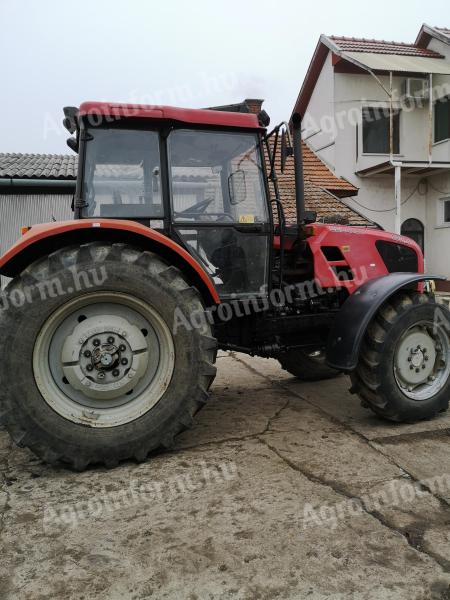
x: 110, y: 340
x: 96, y: 342
x: 423, y: 366
x: 89, y: 367
x: 87, y: 353
x: 116, y: 372
x: 101, y: 375
x: 124, y: 361
x: 417, y: 370
x: 409, y: 359
x: 122, y: 347
x: 426, y: 357
x: 411, y: 367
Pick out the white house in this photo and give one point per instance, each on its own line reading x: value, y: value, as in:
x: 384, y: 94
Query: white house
x: 378, y: 114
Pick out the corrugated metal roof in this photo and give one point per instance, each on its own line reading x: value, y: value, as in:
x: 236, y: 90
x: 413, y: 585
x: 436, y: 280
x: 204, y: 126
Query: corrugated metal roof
x: 397, y: 63
x: 38, y: 166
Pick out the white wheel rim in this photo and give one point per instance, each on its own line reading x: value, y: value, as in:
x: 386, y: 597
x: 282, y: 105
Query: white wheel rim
x: 103, y: 359
x: 422, y: 361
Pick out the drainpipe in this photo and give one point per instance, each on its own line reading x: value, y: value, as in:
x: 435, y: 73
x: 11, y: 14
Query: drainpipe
x: 430, y: 119
x: 391, y: 121
x: 397, y: 165
x: 37, y: 183
x: 398, y: 197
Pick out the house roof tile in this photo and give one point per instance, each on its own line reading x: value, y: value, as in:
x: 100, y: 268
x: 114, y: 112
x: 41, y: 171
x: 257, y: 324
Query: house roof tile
x: 351, y: 44
x: 320, y: 196
x: 329, y: 208
x: 316, y: 171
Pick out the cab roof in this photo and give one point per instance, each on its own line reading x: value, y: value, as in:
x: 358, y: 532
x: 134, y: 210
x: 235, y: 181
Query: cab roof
x: 193, y: 116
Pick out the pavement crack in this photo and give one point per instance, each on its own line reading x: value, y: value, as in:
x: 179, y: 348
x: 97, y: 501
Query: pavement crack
x: 341, y: 491
x: 347, y: 426
x: 276, y: 414
x: 250, y: 436
x: 413, y: 541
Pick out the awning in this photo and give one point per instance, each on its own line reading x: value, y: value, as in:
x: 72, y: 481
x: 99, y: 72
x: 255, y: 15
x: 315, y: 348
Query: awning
x: 414, y: 167
x: 398, y: 63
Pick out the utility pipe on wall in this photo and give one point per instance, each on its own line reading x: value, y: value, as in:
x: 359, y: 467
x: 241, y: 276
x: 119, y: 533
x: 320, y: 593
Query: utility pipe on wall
x: 398, y: 198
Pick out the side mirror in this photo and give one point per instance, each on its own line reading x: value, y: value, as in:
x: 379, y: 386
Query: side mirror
x: 73, y: 144
x: 237, y: 187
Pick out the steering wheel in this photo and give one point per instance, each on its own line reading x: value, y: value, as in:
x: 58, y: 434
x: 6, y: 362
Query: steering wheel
x: 198, y: 208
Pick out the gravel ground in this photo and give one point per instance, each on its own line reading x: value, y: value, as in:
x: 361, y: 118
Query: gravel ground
x: 282, y: 489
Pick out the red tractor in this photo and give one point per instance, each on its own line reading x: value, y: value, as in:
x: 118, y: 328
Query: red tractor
x: 111, y: 323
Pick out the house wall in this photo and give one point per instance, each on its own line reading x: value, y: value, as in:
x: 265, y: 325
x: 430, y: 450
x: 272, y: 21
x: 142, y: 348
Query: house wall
x: 352, y: 93
x: 18, y: 210
x: 343, y: 96
x: 441, y: 83
x: 437, y: 236
x: 318, y: 123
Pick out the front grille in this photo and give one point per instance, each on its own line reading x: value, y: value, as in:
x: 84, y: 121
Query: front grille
x: 397, y: 258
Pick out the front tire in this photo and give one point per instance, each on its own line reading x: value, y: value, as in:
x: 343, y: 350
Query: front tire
x: 94, y: 367
x: 403, y: 373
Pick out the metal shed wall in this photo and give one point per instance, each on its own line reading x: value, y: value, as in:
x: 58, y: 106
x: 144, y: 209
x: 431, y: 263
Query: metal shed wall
x: 17, y: 210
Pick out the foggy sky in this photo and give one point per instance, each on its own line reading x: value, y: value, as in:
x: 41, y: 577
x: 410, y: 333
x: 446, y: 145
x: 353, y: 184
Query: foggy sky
x: 186, y: 53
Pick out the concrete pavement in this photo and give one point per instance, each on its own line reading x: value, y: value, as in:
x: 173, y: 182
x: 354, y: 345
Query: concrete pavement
x: 282, y: 489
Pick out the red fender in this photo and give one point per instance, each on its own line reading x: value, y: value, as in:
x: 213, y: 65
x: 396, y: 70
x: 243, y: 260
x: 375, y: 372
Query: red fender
x: 40, y: 240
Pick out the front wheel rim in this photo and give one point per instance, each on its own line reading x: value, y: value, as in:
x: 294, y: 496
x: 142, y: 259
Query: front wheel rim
x: 103, y: 359
x: 421, y: 360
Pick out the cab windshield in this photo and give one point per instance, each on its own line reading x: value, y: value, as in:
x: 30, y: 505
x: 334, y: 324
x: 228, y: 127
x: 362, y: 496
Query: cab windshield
x: 216, y: 177
x: 122, y: 175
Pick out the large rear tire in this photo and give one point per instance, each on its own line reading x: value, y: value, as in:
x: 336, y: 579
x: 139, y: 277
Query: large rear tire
x: 307, y: 365
x: 403, y: 373
x: 98, y: 361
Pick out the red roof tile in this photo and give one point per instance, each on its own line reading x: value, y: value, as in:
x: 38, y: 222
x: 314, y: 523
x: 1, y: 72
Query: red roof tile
x: 321, y: 189
x: 351, y: 44
x: 316, y: 171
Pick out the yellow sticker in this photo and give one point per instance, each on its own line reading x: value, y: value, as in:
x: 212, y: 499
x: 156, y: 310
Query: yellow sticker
x: 246, y: 218
x: 345, y: 248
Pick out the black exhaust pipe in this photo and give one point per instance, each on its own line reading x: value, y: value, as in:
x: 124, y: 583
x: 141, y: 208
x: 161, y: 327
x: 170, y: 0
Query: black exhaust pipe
x: 298, y: 169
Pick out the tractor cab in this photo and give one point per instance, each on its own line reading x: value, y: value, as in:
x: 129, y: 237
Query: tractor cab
x: 196, y: 176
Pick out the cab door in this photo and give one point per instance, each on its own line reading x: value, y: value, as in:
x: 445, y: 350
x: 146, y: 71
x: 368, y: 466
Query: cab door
x: 219, y: 207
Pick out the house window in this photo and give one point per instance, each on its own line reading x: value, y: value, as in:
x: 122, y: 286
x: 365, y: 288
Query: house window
x: 414, y: 229
x: 442, y: 120
x: 445, y: 211
x: 375, y: 130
